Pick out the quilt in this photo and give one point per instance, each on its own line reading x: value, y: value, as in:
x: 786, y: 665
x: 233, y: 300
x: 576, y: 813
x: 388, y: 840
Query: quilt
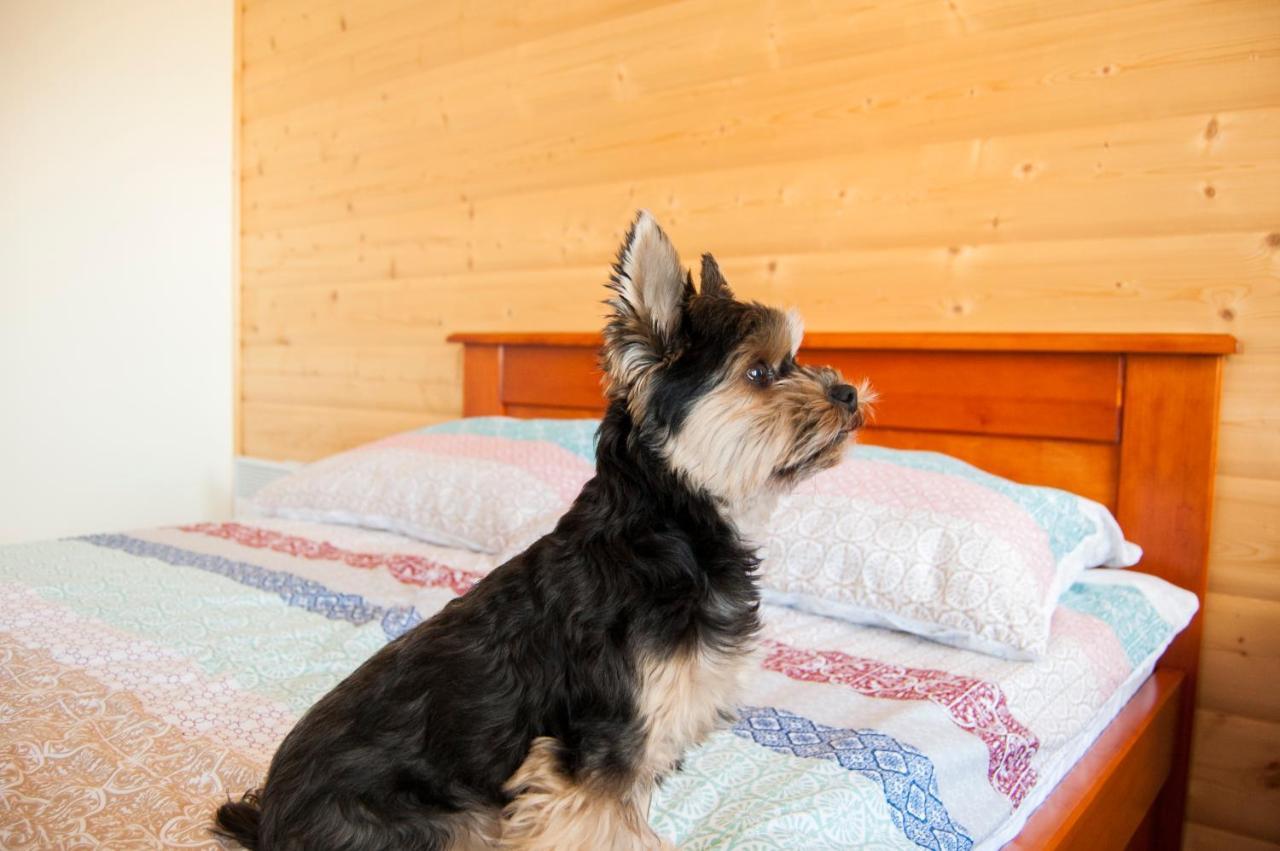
x: 147, y: 676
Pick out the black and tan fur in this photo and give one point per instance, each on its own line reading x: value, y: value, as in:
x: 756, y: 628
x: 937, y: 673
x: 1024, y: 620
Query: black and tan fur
x: 539, y: 710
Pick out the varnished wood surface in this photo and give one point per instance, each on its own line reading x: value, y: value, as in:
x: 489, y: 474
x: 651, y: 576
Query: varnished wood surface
x: 1234, y: 754
x: 1167, y: 473
x: 1088, y: 468
x: 1202, y: 344
x: 1030, y: 394
x: 1060, y: 429
x: 413, y: 169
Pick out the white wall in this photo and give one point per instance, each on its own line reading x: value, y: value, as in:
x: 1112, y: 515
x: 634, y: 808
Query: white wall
x: 115, y: 264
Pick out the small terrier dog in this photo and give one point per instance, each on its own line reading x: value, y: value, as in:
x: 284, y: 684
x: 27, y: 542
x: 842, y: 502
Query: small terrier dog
x: 539, y: 710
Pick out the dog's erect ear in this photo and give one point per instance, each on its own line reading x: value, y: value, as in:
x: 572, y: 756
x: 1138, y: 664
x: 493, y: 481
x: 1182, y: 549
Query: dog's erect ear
x: 648, y: 276
x: 651, y: 290
x: 713, y: 283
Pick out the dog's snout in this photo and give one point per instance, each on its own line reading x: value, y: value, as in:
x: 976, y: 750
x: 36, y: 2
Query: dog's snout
x: 844, y: 395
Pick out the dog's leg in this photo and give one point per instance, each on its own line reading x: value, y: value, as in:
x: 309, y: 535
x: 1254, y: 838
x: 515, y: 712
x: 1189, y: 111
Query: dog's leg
x: 551, y: 810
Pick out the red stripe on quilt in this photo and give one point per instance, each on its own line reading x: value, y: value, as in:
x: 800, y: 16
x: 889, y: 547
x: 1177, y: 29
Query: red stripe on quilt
x: 410, y: 569
x: 975, y: 706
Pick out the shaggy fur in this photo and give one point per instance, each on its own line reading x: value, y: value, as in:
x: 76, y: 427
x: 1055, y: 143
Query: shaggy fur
x: 538, y: 710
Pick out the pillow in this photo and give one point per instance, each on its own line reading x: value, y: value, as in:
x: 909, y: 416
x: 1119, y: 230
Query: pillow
x: 485, y: 483
x: 924, y: 543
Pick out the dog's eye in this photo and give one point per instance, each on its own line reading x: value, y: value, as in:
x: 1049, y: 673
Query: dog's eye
x: 760, y: 374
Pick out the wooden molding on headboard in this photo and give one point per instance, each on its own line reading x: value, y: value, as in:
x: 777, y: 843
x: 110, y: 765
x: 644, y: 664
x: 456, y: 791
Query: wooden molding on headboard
x: 1168, y: 462
x: 936, y: 341
x: 1046, y: 408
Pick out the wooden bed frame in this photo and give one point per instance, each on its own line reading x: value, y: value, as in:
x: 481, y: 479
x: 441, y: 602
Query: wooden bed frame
x: 1130, y: 420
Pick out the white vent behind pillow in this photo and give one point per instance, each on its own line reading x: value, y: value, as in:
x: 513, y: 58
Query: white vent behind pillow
x: 253, y: 474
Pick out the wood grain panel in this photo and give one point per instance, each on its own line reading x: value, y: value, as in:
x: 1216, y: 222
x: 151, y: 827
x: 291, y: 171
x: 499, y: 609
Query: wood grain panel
x: 551, y: 412
x: 1165, y: 503
x: 1168, y: 462
x: 444, y: 35
x: 482, y: 381
x: 1084, y: 182
x: 1246, y: 538
x: 1048, y: 395
x: 1236, y: 782
x: 531, y: 375
x: 774, y: 112
x: 1200, y: 837
x: 1089, y: 469
x: 409, y: 170
x: 1071, y: 397
x: 1240, y: 657
x: 297, y: 432
x: 1249, y: 442
x: 384, y: 40
x: 406, y: 378
x: 841, y: 344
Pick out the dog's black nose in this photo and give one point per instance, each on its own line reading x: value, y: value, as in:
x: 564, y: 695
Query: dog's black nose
x: 844, y: 394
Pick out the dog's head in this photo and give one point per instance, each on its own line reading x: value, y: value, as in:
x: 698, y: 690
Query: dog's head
x: 712, y: 383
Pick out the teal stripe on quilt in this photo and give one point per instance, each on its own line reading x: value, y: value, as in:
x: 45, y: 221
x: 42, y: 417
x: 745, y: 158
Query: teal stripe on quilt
x: 294, y: 590
x: 1135, y: 622
x: 731, y: 793
x: 1055, y: 511
x: 264, y: 644
x: 577, y: 436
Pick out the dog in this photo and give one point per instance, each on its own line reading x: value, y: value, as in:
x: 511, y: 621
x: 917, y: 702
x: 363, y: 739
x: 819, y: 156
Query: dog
x: 539, y: 710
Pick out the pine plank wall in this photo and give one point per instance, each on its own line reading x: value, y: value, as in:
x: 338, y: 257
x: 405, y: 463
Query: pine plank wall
x: 409, y: 169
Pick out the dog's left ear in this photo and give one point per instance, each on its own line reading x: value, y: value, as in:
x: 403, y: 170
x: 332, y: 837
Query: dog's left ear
x: 651, y: 291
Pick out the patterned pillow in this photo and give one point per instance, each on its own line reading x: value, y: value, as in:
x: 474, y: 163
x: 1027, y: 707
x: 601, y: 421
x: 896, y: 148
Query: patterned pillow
x: 927, y: 544
x: 486, y: 483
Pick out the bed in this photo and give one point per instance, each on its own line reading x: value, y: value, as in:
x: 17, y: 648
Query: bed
x: 145, y: 676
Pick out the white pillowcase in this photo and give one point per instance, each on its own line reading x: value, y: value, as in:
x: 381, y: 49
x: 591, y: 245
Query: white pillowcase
x: 488, y: 484
x: 927, y: 544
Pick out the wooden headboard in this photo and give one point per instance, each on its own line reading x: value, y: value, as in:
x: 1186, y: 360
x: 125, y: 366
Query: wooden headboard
x: 1130, y: 420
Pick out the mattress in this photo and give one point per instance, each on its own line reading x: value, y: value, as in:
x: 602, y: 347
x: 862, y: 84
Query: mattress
x: 145, y: 677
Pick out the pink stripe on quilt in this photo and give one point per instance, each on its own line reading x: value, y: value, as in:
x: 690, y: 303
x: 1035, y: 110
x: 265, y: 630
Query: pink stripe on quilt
x: 409, y: 569
x: 910, y: 489
x: 1100, y: 645
x: 975, y: 706
x: 166, y: 683
x: 555, y: 466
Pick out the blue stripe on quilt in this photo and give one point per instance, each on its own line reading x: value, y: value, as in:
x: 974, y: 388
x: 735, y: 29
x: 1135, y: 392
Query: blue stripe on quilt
x: 294, y: 590
x: 1126, y: 610
x: 577, y: 436
x: 906, y: 775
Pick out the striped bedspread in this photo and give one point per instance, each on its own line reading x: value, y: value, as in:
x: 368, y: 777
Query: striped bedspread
x: 146, y: 676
